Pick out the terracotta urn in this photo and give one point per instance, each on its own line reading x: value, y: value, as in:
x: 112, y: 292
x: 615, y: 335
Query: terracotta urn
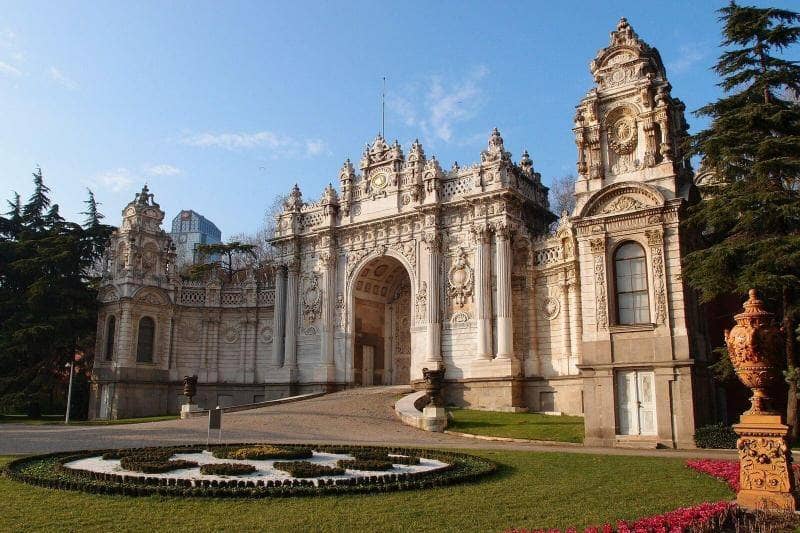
x: 754, y: 346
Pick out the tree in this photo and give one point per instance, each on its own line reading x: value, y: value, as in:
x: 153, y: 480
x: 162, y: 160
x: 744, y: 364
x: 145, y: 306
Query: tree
x: 224, y: 256
x: 562, y: 194
x: 749, y: 229
x: 48, y: 300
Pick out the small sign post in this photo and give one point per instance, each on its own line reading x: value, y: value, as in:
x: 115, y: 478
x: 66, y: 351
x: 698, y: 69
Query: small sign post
x: 214, y: 422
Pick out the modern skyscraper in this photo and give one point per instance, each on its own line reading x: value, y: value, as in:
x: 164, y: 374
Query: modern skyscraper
x: 189, y: 229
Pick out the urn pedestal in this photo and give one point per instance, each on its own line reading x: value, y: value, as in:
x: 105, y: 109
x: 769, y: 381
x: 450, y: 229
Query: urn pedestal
x: 766, y: 478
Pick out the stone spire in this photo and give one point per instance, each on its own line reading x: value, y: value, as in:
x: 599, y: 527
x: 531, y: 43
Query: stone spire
x: 495, y: 150
x: 295, y: 200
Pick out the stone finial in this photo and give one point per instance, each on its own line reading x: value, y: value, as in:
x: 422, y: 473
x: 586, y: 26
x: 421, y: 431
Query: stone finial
x: 295, y: 200
x: 416, y: 153
x: 526, y: 163
x: 329, y: 196
x: 395, y: 152
x: 347, y: 173
x: 495, y: 150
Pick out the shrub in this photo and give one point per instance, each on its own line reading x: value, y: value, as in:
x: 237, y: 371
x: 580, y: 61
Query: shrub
x: 307, y: 469
x: 715, y: 436
x: 226, y: 469
x: 138, y: 464
x: 404, y: 460
x: 364, y: 464
x: 260, y: 453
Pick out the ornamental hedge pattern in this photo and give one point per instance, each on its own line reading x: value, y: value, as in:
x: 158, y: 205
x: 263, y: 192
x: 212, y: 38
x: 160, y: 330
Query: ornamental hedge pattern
x: 307, y: 469
x: 262, y: 452
x: 49, y: 471
x: 226, y: 469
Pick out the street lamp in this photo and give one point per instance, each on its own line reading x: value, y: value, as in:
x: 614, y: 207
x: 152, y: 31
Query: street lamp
x: 69, y: 389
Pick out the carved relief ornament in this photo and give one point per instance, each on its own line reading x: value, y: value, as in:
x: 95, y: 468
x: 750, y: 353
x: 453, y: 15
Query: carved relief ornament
x: 460, y: 279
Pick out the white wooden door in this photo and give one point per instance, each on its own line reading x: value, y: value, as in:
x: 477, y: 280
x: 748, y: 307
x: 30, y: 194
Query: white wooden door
x: 368, y: 365
x: 636, y: 406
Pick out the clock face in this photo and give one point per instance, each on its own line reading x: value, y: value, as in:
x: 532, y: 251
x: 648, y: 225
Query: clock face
x: 379, y: 181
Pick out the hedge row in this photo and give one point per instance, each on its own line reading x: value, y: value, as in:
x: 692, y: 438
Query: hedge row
x: 262, y: 452
x: 301, y: 469
x: 137, y: 464
x: 226, y: 469
x: 364, y: 464
x: 48, y: 471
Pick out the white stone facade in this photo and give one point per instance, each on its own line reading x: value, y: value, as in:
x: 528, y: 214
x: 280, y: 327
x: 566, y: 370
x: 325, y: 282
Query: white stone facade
x: 409, y: 266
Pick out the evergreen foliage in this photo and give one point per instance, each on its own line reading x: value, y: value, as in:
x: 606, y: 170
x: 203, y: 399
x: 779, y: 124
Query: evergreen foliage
x: 223, y: 257
x: 48, y: 309
x: 749, y: 225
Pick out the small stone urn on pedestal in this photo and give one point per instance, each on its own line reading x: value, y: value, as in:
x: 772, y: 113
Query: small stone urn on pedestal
x: 765, y: 461
x: 189, y: 390
x: 432, y: 385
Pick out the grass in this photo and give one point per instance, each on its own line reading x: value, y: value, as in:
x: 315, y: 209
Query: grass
x: 530, y: 490
x: 59, y: 419
x: 531, y: 426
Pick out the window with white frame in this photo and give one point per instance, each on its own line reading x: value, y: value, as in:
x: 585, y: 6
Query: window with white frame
x: 630, y: 269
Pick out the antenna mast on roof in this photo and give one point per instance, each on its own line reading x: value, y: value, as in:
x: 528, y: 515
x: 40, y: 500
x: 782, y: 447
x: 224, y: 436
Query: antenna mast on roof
x: 383, y: 109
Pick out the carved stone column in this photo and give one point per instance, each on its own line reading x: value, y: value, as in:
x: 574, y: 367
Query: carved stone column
x: 505, y: 324
x: 766, y: 478
x: 328, y: 261
x: 566, y: 334
x: 433, y: 243
x: 483, y: 294
x: 279, y: 317
x: 290, y: 360
x: 577, y: 324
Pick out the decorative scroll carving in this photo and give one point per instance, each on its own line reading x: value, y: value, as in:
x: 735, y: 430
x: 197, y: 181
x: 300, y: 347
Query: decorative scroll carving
x: 460, y: 279
x: 655, y: 239
x: 622, y: 135
x: 551, y: 307
x: 622, y: 204
x: 763, y: 464
x: 338, y: 317
x: 266, y: 333
x: 190, y: 330
x: 600, y: 291
x: 311, y: 298
x: 422, y: 301
x: 230, y: 332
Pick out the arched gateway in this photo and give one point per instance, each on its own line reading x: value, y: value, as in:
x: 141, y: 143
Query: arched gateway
x: 380, y: 297
x: 406, y: 265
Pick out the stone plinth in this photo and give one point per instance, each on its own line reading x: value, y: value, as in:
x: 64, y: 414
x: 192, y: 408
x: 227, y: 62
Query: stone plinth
x: 765, y: 477
x: 188, y: 409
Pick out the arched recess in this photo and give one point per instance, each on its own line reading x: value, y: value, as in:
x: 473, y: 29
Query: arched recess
x: 380, y: 298
x: 622, y: 197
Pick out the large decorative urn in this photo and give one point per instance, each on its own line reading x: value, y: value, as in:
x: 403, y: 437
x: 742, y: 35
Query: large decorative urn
x: 189, y: 387
x: 433, y: 380
x: 766, y: 479
x: 754, y: 347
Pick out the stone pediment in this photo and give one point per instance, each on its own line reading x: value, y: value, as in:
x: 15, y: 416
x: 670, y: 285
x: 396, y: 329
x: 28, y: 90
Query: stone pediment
x: 151, y: 296
x: 623, y: 198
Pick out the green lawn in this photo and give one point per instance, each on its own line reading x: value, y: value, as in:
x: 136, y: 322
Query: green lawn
x: 530, y: 489
x: 59, y: 419
x: 518, y: 425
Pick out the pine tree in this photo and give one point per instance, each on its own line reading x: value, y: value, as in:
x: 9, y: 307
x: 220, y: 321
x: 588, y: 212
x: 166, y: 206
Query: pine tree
x: 10, y: 227
x: 749, y: 228
x: 33, y: 212
x: 93, y: 215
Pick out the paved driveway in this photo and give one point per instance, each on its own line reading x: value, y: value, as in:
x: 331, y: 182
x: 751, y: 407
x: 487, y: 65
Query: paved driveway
x: 356, y: 416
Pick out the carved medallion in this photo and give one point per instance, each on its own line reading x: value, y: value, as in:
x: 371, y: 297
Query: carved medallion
x: 460, y: 279
x: 550, y: 307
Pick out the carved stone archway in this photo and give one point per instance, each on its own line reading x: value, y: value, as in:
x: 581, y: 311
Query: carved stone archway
x: 380, y: 303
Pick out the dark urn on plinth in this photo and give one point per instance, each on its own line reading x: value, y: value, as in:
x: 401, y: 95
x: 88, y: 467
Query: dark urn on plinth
x: 433, y: 380
x: 755, y: 349
x: 189, y: 387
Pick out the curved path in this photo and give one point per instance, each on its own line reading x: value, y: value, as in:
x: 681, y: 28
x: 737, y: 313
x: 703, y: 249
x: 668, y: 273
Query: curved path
x: 355, y: 416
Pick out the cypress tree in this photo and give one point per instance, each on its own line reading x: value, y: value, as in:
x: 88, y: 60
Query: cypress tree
x: 749, y: 226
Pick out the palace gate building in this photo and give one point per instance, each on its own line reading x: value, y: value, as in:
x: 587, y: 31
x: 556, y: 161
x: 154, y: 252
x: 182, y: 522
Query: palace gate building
x: 406, y: 265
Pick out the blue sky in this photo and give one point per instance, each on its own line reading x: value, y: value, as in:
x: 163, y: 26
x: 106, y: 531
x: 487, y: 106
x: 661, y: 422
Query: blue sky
x: 220, y: 106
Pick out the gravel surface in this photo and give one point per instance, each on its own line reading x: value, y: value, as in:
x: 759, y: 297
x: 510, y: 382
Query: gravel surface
x: 356, y: 416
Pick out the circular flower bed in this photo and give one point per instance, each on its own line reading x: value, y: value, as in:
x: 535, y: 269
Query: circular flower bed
x: 101, y: 471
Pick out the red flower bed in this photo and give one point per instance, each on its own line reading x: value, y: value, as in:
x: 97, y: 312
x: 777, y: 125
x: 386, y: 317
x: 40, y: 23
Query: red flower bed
x: 722, y: 469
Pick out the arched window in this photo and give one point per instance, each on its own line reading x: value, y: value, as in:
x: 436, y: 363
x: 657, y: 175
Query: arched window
x: 110, y: 330
x: 630, y: 267
x: 144, y: 347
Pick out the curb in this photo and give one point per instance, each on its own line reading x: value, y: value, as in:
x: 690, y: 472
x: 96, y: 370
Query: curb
x: 249, y: 406
x: 510, y: 439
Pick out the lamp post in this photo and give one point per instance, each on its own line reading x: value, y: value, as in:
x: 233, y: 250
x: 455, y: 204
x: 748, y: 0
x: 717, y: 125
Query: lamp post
x: 69, y: 389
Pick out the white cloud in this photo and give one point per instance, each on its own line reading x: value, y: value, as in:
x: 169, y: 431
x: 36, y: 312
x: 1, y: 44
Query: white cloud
x: 163, y: 170
x: 441, y: 105
x: 62, y: 79
x: 9, y: 70
x: 117, y: 180
x: 277, y: 144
